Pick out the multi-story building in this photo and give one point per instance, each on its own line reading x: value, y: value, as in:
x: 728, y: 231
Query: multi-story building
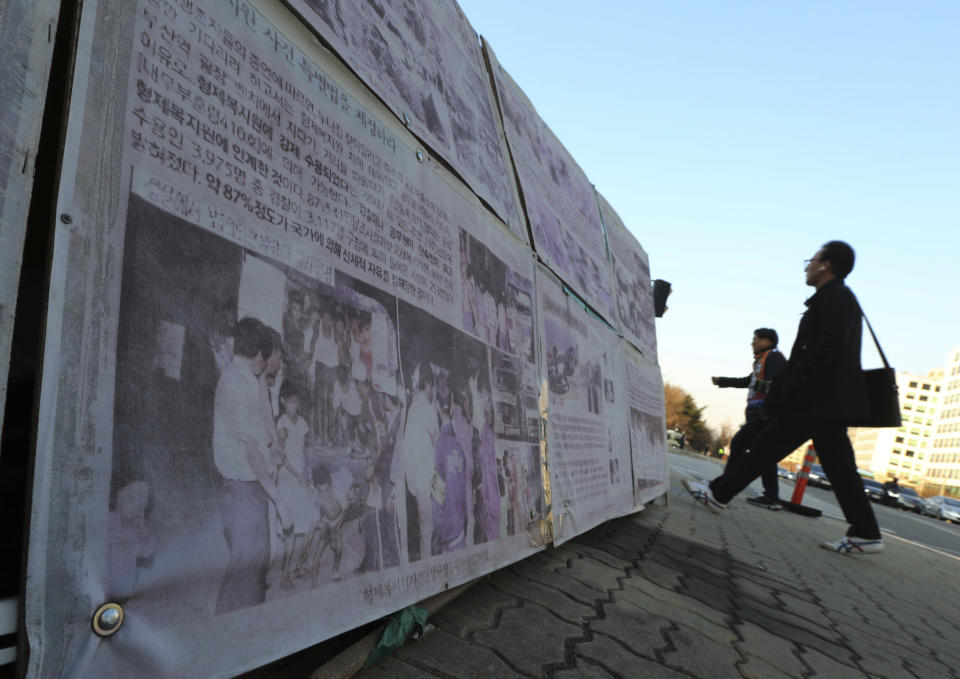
x: 943, y: 466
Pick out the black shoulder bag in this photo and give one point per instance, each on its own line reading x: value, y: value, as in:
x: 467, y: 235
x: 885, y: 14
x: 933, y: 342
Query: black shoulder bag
x: 882, y: 391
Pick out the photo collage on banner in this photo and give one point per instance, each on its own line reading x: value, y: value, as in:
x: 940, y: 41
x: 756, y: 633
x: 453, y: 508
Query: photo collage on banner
x: 325, y: 384
x: 648, y: 436
x: 631, y: 276
x: 560, y: 200
x: 587, y: 428
x: 424, y: 60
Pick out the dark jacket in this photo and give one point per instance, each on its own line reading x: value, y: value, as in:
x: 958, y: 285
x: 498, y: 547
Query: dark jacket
x: 768, y: 365
x: 823, y: 378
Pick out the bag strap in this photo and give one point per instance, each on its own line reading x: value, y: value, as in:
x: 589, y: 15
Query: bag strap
x: 883, y: 356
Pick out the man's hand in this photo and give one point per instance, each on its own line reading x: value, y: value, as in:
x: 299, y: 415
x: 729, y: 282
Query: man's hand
x: 715, y: 380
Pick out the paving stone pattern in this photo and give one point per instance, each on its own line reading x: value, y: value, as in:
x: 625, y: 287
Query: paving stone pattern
x: 675, y: 591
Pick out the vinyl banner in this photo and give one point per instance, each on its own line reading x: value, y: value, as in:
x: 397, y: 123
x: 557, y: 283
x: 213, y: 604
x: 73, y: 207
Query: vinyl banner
x: 587, y: 435
x: 648, y: 443
x: 26, y: 35
x: 560, y: 200
x: 290, y: 379
x: 424, y: 60
x: 631, y: 274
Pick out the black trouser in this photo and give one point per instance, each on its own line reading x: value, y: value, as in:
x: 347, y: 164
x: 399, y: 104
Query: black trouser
x: 779, y: 438
x: 741, y: 446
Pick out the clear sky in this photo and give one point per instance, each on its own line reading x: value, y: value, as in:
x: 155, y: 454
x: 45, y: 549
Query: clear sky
x: 733, y: 138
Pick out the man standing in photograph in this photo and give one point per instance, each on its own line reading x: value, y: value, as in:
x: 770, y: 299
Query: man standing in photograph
x: 768, y: 364
x: 419, y: 442
x: 821, y: 391
x: 240, y: 451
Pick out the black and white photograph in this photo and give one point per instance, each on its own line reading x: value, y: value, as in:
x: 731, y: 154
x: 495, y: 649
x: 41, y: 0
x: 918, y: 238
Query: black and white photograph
x: 560, y: 199
x: 631, y: 272
x: 449, y: 452
x: 520, y: 478
x: 591, y: 385
x: 497, y: 300
x: 407, y: 52
x: 256, y: 417
x: 561, y: 355
x: 515, y: 394
x: 647, y: 436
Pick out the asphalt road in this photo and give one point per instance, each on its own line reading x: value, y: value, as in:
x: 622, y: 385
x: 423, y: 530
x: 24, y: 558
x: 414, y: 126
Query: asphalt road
x: 922, y: 530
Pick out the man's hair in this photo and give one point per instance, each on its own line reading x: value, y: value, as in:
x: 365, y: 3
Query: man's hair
x: 321, y: 476
x: 767, y: 334
x: 270, y: 342
x: 290, y: 388
x: 840, y: 255
x: 247, y: 337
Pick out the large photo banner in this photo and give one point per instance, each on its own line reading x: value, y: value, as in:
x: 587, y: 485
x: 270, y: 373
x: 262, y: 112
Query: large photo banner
x: 300, y: 369
x: 648, y: 434
x: 587, y: 429
x: 560, y: 200
x: 631, y: 275
x: 424, y: 60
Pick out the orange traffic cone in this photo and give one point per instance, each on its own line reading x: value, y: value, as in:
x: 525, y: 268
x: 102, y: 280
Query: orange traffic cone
x: 795, y: 505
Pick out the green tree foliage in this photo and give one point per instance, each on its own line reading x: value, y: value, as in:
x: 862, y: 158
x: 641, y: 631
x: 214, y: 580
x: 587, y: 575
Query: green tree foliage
x: 684, y: 415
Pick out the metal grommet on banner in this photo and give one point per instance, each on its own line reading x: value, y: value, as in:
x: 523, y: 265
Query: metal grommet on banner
x: 107, y: 619
x: 420, y: 155
x: 65, y: 218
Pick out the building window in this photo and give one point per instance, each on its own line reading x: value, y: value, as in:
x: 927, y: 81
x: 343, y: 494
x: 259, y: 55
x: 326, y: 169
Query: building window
x: 910, y: 453
x: 899, y: 439
x: 926, y: 387
x: 913, y: 385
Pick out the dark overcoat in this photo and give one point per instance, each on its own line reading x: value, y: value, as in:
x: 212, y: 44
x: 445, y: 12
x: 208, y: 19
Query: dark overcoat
x: 824, y: 379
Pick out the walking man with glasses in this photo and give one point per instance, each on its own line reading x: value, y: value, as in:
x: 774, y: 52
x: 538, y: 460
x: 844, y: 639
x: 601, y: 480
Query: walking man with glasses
x: 820, y: 392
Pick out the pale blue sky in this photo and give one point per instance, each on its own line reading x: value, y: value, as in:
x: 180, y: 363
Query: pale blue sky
x: 734, y: 138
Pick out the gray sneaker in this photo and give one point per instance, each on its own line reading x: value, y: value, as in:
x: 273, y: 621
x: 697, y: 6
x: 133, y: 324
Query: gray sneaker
x: 851, y: 546
x: 702, y: 494
x: 764, y: 501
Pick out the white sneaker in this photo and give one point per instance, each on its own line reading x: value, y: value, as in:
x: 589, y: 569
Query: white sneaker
x: 853, y: 545
x: 701, y: 493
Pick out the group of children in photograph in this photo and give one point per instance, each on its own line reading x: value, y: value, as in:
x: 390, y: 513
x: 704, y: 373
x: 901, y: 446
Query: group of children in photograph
x: 341, y: 453
x: 457, y: 484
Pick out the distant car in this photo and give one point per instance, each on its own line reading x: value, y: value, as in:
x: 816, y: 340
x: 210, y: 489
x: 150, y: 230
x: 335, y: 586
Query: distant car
x: 785, y: 473
x: 909, y: 500
x: 891, y: 491
x: 818, y: 477
x: 874, y: 490
x: 943, y: 507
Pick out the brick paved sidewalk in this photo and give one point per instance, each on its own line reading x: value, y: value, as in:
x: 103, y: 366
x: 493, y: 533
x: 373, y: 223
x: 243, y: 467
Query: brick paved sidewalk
x: 675, y: 591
